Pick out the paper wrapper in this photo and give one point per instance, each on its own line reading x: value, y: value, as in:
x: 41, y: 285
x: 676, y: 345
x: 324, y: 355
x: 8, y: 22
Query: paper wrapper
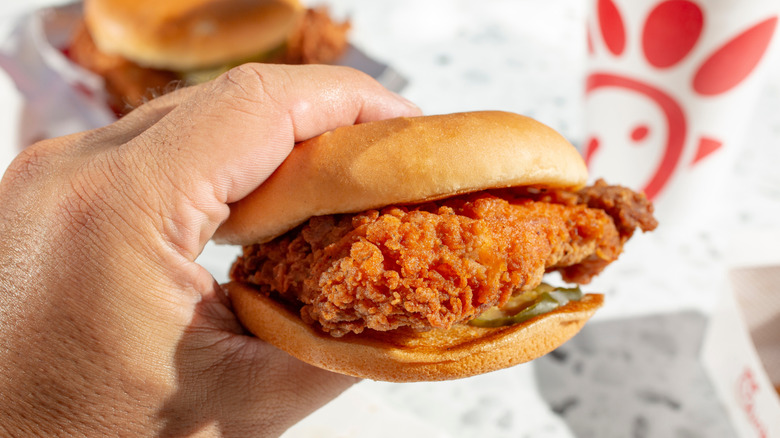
x: 61, y: 98
x: 742, y: 348
x: 670, y: 87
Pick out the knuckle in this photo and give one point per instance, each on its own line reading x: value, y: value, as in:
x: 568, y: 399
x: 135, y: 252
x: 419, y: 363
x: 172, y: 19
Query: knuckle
x: 94, y: 194
x: 102, y: 196
x: 86, y: 200
x: 252, y: 84
x: 30, y: 164
x: 245, y: 79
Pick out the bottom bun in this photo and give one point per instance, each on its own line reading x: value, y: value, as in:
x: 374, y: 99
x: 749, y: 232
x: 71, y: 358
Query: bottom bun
x: 403, y: 355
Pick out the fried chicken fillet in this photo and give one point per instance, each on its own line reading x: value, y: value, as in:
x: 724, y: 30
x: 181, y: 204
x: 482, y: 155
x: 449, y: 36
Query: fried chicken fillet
x: 441, y: 263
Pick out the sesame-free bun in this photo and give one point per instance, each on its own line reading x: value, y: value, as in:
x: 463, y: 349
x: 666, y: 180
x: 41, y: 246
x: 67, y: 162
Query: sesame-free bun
x: 402, y: 161
x: 189, y: 34
x: 403, y: 355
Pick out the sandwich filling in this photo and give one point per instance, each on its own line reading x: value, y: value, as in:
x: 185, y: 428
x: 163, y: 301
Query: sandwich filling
x: 444, y: 262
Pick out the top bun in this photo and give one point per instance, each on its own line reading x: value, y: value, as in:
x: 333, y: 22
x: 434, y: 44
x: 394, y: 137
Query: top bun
x: 402, y: 161
x: 189, y: 34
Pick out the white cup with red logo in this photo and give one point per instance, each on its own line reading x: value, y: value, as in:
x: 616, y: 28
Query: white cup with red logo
x: 670, y: 87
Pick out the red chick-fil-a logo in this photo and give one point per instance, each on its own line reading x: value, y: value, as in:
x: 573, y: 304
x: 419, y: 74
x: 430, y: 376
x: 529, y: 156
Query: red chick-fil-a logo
x: 669, y: 33
x: 747, y: 388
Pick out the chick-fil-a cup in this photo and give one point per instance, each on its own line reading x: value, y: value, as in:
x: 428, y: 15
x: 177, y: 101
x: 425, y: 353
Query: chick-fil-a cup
x: 670, y: 86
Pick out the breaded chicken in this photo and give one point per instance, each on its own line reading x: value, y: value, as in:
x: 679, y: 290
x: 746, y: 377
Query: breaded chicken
x: 444, y: 262
x: 318, y: 39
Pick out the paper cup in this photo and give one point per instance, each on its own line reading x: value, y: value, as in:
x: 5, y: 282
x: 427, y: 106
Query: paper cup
x: 670, y: 87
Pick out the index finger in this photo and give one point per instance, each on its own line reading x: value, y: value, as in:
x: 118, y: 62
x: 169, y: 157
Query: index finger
x: 246, y: 121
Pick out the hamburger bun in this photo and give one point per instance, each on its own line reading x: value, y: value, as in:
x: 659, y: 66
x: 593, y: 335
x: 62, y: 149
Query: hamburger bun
x: 405, y: 355
x: 189, y: 34
x: 403, y: 161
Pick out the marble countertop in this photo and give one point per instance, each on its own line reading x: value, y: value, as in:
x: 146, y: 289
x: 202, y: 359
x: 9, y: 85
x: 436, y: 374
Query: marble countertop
x: 528, y: 57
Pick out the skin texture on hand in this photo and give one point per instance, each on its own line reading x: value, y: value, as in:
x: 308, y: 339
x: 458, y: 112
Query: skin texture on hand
x: 107, y: 325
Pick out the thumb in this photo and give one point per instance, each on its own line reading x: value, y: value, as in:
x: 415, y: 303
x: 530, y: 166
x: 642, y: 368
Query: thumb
x: 240, y: 384
x: 298, y: 389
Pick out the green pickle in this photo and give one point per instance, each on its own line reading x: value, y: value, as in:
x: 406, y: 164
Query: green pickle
x: 199, y: 76
x: 522, y: 307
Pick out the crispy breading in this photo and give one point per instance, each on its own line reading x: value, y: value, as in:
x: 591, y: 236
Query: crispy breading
x: 436, y: 264
x: 317, y: 39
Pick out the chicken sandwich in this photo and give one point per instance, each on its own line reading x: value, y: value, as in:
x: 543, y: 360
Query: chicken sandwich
x: 414, y: 248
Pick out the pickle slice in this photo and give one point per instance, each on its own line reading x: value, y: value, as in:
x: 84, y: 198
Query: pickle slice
x: 547, y: 299
x: 199, y: 76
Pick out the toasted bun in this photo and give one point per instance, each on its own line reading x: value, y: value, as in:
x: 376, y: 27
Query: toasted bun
x: 407, y: 356
x: 403, y: 160
x: 189, y: 34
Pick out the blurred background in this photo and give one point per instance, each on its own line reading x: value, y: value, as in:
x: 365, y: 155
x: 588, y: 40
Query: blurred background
x: 636, y: 370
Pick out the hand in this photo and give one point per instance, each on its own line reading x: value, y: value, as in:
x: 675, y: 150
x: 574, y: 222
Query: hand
x: 107, y: 325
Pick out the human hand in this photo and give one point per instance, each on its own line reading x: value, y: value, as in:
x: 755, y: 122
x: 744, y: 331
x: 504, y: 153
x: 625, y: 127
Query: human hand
x: 107, y: 324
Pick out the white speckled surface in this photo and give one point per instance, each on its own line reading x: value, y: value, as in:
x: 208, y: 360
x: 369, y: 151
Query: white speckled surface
x: 524, y: 56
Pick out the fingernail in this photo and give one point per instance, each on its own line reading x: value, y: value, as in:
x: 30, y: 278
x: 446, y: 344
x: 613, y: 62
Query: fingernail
x: 408, y: 103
